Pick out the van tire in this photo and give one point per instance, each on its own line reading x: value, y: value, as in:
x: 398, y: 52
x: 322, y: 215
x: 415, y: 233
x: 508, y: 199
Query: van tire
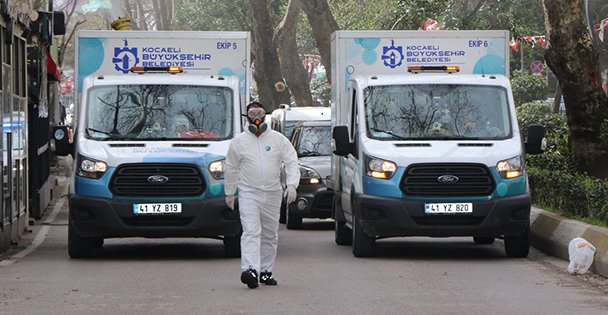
x: 363, y: 244
x: 79, y: 247
x: 518, y: 246
x: 483, y: 240
x: 294, y: 221
x: 283, y: 211
x: 232, y: 245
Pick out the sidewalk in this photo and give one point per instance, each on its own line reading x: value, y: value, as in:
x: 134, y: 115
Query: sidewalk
x: 551, y: 233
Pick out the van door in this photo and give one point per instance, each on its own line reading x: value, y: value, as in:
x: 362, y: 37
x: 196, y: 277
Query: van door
x: 349, y: 163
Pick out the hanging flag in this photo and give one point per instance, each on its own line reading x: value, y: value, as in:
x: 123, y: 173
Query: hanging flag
x: 530, y: 39
x: 514, y: 44
x: 601, y: 28
x: 541, y: 40
x: 431, y: 25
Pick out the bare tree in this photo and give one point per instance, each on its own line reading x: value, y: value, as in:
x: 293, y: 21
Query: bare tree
x: 574, y: 60
x: 323, y: 25
x: 291, y: 64
x: 271, y: 88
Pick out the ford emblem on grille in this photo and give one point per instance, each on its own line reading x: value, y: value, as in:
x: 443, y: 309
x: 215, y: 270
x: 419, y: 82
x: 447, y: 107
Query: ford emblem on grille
x: 158, y: 179
x: 447, y: 179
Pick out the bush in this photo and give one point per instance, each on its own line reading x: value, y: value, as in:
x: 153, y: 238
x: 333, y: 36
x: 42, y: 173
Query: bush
x: 527, y: 88
x: 569, y: 192
x: 559, y: 154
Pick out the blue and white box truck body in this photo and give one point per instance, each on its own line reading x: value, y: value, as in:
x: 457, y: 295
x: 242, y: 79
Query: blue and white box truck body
x: 426, y: 139
x: 156, y: 113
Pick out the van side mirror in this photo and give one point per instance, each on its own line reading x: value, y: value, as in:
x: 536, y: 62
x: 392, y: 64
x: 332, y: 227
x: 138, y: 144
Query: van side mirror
x: 60, y: 142
x: 343, y: 146
x: 537, y: 143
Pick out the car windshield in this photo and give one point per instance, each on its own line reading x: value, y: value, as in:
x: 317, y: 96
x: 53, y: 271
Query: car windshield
x: 437, y: 111
x: 315, y: 141
x: 159, y: 112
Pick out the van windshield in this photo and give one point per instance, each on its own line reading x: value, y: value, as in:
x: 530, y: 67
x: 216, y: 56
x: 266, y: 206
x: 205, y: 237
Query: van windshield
x: 315, y: 141
x: 437, y: 112
x: 159, y: 112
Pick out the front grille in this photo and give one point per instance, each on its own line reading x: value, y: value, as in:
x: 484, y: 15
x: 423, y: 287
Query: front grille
x: 325, y: 202
x: 184, y: 180
x: 423, y: 180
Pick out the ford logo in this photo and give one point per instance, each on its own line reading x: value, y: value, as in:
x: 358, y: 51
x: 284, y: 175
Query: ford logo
x: 158, y: 179
x: 447, y: 179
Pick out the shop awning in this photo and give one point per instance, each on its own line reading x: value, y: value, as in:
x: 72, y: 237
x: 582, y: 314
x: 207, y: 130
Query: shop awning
x: 53, y: 73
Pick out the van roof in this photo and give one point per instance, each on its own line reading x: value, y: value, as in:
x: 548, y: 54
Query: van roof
x: 305, y: 113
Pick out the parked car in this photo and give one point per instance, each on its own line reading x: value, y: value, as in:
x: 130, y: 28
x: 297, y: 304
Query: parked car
x: 286, y: 117
x: 312, y: 142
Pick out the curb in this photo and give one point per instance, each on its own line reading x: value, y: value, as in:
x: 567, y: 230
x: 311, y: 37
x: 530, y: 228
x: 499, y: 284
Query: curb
x: 551, y: 233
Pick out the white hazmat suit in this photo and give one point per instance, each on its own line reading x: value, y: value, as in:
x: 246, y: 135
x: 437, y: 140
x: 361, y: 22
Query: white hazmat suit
x: 253, y: 164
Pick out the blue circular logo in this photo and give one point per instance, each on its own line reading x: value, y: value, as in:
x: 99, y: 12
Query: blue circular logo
x: 267, y: 147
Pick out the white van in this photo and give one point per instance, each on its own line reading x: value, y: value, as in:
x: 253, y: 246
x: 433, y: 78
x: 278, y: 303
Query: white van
x: 156, y: 114
x: 425, y: 149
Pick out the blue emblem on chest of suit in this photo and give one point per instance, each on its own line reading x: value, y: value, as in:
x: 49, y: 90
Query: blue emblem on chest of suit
x: 267, y: 148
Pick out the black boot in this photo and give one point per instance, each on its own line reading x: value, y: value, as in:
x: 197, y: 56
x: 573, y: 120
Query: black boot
x: 250, y: 278
x: 267, y: 279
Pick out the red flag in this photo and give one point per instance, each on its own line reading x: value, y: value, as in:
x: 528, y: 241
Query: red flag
x: 541, y: 40
x: 514, y: 43
x: 431, y: 25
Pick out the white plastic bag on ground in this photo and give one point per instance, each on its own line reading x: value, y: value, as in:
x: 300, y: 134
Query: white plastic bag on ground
x: 581, y: 255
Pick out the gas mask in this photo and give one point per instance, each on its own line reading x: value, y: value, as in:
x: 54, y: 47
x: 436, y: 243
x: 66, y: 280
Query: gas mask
x: 256, y: 121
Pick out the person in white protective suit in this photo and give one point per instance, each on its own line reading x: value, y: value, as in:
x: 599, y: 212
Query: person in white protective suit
x: 253, y: 165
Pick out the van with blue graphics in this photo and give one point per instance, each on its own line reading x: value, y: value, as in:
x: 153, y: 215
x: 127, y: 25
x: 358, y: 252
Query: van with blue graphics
x: 426, y: 139
x: 156, y: 113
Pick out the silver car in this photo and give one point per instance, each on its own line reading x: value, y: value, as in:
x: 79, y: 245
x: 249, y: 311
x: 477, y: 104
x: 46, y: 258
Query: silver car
x: 312, y: 141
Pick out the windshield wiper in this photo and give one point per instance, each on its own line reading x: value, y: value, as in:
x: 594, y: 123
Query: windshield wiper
x: 310, y: 153
x: 392, y: 134
x: 110, y: 135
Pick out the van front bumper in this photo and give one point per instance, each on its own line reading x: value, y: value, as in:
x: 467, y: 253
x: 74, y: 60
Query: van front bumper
x: 389, y: 217
x: 104, y: 218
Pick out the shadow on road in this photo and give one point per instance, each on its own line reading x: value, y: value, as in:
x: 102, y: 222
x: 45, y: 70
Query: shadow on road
x: 438, y: 249
x: 158, y: 250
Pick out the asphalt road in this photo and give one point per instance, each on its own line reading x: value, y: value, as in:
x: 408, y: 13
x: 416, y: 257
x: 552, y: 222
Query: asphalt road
x: 191, y: 276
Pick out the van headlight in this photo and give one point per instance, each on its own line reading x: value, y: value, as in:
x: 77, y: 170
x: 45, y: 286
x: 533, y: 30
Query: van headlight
x: 378, y: 168
x: 216, y: 169
x: 511, y: 168
x: 90, y: 168
x: 309, y: 176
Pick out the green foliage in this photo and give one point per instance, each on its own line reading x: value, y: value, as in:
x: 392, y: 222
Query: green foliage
x: 559, y: 154
x: 554, y: 181
x: 573, y: 193
x: 364, y: 14
x: 527, y: 88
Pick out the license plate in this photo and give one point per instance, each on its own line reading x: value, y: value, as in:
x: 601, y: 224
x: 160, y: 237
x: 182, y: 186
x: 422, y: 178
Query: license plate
x: 448, y: 208
x: 157, y: 208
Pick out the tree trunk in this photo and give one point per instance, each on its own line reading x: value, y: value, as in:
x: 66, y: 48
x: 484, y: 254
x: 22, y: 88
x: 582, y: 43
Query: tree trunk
x: 323, y: 25
x: 291, y: 64
x: 271, y: 88
x: 574, y: 60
